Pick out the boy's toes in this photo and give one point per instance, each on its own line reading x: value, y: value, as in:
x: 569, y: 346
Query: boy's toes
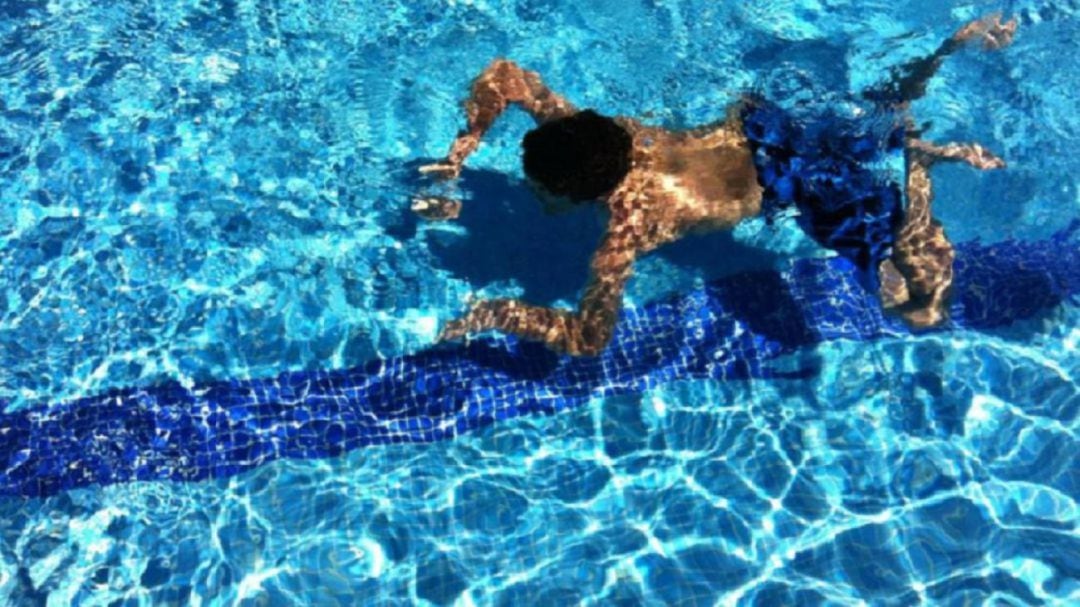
x: 894, y: 290
x: 1000, y: 35
x: 983, y: 159
x: 990, y: 30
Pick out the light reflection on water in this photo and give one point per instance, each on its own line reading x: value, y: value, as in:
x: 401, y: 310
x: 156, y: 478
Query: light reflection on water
x: 198, y: 190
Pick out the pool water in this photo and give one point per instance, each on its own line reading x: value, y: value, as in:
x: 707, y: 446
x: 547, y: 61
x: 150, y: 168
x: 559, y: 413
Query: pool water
x: 214, y: 190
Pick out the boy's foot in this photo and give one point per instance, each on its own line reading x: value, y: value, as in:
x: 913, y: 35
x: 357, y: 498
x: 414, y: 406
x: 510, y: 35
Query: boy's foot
x: 990, y: 30
x: 971, y: 153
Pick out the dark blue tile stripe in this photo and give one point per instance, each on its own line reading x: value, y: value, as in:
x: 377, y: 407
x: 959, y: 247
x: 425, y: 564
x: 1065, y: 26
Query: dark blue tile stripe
x: 732, y: 329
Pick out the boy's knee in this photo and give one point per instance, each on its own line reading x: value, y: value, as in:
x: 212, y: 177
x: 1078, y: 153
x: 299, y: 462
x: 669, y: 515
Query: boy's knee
x: 501, y: 66
x: 592, y: 338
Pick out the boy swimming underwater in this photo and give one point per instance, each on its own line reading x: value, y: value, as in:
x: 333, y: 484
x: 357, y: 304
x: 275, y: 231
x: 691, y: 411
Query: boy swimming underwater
x: 658, y: 184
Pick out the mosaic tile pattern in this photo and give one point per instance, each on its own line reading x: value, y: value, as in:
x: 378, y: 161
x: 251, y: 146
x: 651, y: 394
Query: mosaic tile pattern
x: 735, y: 328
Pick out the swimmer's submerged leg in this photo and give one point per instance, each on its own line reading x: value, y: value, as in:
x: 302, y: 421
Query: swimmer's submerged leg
x: 908, y: 82
x: 586, y: 331
x: 971, y: 153
x: 916, y: 280
x: 917, y: 277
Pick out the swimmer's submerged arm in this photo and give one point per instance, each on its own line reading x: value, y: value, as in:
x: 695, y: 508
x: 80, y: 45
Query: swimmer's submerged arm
x: 503, y: 82
x: 586, y: 331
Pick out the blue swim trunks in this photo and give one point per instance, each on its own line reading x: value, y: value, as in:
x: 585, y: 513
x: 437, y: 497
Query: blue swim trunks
x: 840, y: 174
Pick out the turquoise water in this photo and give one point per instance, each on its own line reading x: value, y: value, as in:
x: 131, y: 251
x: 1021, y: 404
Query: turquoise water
x: 207, y: 190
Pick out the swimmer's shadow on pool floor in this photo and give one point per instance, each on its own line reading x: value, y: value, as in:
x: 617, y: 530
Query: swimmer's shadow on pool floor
x: 508, y: 236
x: 504, y: 234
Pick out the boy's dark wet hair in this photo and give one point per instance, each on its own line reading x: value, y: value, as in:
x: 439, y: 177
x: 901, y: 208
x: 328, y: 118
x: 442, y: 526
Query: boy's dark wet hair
x: 581, y: 157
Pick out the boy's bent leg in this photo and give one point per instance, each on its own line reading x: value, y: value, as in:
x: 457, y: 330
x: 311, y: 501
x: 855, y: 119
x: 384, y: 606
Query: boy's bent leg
x: 908, y: 82
x: 922, y: 255
x: 916, y: 280
x: 971, y: 153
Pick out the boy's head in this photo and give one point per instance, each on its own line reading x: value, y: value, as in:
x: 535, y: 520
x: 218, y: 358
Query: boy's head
x: 581, y: 157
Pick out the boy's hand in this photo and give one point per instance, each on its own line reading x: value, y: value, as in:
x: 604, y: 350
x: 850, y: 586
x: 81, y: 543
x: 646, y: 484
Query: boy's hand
x: 436, y: 208
x: 442, y: 170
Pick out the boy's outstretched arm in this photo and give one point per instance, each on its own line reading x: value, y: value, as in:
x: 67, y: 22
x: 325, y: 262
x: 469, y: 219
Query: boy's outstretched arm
x: 503, y: 82
x: 585, y: 331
